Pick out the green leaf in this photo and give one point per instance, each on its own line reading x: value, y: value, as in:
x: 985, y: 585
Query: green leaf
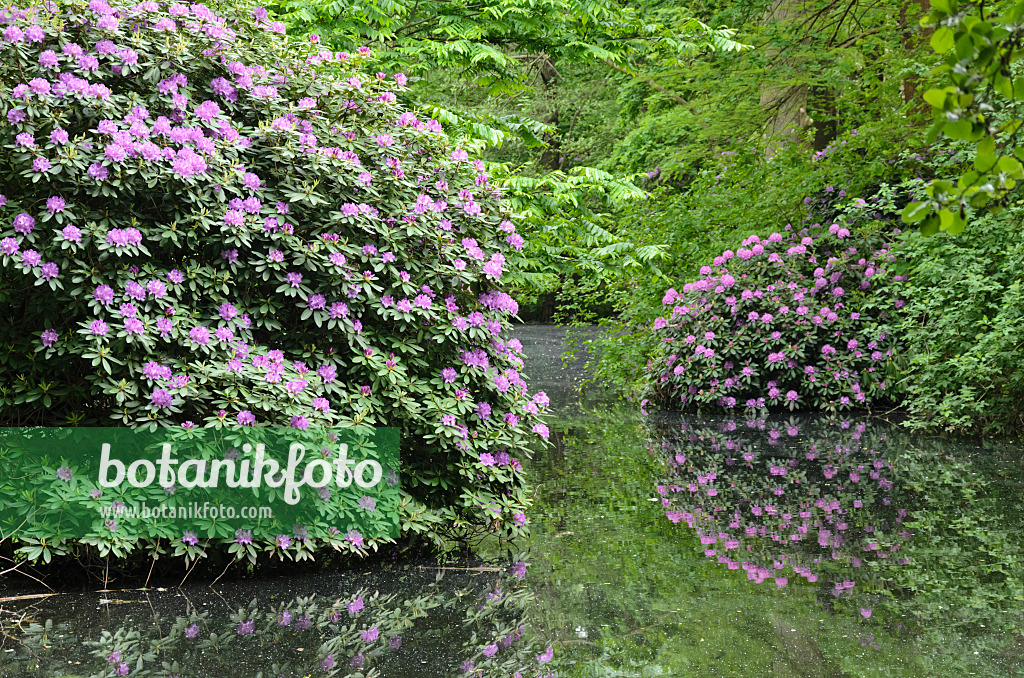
x: 943, y: 39
x: 915, y: 212
x: 986, y: 155
x: 1003, y: 85
x: 945, y: 219
x: 930, y: 225
x: 967, y: 180
x: 958, y: 224
x: 1011, y: 167
x: 965, y: 46
x: 936, y: 97
x: 961, y: 129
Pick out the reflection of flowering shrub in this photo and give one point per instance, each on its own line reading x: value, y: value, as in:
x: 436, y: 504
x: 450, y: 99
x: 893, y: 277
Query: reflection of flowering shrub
x: 204, y: 223
x: 801, y: 319
x: 780, y: 500
x: 352, y: 633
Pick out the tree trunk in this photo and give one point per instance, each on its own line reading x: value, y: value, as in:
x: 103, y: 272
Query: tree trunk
x: 911, y: 37
x: 550, y: 157
x: 786, y: 104
x: 826, y: 124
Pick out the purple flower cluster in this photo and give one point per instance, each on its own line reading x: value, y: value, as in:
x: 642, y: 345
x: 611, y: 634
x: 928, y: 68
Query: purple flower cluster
x: 124, y: 237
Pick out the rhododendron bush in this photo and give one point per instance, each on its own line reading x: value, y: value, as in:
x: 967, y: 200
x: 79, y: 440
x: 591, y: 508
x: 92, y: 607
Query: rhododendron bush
x: 207, y: 223
x: 802, y: 320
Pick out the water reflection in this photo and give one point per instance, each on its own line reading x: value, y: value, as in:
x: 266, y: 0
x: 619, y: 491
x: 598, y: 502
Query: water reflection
x: 819, y: 501
x: 786, y: 546
x: 456, y: 620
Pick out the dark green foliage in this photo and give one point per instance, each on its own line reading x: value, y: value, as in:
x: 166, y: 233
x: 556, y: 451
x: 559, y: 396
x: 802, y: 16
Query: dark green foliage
x: 965, y: 324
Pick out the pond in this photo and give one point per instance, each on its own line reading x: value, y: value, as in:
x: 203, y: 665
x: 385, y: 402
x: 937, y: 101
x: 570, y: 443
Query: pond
x: 662, y: 546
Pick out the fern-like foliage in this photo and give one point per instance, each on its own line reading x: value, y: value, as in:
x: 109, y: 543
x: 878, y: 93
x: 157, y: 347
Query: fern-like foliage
x: 502, y: 45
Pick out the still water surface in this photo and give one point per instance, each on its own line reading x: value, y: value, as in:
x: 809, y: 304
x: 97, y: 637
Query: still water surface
x: 662, y: 546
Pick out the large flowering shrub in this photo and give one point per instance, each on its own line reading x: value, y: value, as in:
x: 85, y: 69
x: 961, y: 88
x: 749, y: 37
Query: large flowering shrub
x: 801, y: 319
x: 204, y: 223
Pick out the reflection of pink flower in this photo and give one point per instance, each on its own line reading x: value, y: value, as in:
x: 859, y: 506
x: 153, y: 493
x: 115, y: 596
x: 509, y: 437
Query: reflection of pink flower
x: 865, y: 612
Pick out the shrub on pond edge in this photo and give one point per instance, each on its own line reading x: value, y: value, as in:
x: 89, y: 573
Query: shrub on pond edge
x: 205, y: 223
x: 802, y: 319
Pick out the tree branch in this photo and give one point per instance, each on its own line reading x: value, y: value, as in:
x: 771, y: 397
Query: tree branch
x: 854, y: 38
x: 650, y: 81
